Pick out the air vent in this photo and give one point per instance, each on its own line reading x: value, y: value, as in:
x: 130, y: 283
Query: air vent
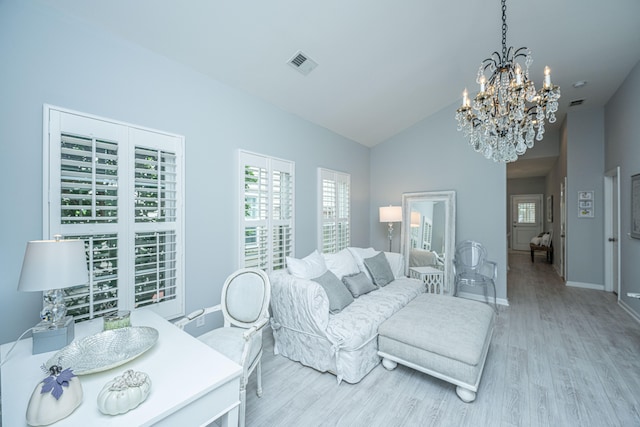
x: 576, y: 102
x: 301, y: 62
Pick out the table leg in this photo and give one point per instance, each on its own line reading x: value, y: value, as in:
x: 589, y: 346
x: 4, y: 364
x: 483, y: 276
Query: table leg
x: 230, y: 419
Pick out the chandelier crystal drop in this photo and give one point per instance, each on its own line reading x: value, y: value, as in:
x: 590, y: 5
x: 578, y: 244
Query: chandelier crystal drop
x: 508, y: 113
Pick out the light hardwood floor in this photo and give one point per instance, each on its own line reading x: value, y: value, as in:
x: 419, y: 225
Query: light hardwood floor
x: 559, y: 356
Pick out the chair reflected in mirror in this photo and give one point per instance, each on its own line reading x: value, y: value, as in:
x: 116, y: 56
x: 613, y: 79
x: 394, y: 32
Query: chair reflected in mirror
x: 244, y: 305
x: 472, y: 268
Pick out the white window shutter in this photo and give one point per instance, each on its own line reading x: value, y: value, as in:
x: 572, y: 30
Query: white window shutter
x: 267, y: 211
x: 334, y: 191
x: 119, y: 188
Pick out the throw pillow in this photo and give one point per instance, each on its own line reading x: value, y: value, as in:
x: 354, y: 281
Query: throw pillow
x: 309, y: 267
x: 339, y: 296
x: 396, y: 262
x: 360, y: 254
x: 341, y: 264
x: 358, y: 284
x: 545, y: 239
x: 379, y: 269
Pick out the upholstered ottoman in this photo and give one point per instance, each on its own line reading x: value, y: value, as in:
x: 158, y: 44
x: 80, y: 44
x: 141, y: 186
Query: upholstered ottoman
x: 443, y: 336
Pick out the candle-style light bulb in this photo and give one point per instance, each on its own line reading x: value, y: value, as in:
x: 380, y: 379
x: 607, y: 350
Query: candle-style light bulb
x: 518, y: 75
x: 465, y: 98
x: 483, y: 82
x: 547, y: 76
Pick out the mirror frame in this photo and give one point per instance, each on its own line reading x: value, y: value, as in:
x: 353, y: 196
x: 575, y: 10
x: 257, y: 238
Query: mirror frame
x: 449, y: 197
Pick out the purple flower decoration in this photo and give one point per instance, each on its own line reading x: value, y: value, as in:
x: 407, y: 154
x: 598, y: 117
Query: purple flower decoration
x: 56, y: 381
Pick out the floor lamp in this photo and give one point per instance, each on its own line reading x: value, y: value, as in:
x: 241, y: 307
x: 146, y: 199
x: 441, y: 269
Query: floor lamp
x: 390, y: 214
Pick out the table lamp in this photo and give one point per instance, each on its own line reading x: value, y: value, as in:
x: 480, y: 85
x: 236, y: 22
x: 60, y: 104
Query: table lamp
x: 49, y: 266
x: 415, y: 219
x: 390, y: 214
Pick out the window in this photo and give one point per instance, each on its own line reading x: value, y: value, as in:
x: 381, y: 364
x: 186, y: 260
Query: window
x: 334, y: 191
x: 527, y: 213
x: 118, y: 188
x: 427, y: 234
x: 267, y: 214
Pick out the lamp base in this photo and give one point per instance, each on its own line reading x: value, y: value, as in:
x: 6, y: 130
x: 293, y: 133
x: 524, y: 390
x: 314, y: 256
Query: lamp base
x: 49, y: 336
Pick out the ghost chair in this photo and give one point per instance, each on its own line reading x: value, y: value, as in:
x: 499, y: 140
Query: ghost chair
x: 473, y: 269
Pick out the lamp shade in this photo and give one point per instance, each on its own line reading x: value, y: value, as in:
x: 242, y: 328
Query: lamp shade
x: 391, y: 214
x: 53, y: 264
x: 415, y: 219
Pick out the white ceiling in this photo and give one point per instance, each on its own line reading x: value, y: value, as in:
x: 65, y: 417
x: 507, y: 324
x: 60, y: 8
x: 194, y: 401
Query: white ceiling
x: 383, y: 65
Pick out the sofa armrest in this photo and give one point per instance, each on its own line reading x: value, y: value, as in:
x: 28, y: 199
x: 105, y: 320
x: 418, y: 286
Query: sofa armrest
x: 298, y: 304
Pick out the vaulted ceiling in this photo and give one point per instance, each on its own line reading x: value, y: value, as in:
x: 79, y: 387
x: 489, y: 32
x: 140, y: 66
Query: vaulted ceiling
x: 382, y: 66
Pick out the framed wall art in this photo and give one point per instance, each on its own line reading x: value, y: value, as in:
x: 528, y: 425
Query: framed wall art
x: 550, y: 209
x: 585, y: 204
x: 635, y: 206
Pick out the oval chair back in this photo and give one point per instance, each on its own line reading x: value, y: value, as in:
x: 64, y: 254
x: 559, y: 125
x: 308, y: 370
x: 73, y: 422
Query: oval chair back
x: 245, y: 297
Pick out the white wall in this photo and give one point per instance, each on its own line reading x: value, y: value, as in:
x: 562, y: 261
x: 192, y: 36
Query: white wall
x: 432, y: 155
x: 623, y: 149
x: 51, y: 58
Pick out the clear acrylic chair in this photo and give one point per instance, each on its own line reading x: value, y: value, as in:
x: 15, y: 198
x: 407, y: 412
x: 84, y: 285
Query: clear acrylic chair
x: 473, y: 269
x: 244, y: 304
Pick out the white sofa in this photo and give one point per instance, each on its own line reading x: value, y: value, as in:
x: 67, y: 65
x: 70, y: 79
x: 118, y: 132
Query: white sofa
x: 343, y: 343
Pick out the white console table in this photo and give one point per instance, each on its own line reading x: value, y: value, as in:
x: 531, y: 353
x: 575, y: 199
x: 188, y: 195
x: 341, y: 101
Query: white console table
x: 432, y: 277
x: 191, y: 384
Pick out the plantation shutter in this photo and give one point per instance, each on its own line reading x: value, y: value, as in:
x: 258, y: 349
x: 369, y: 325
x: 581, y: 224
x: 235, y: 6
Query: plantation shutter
x: 156, y: 219
x: 118, y: 188
x: 281, y: 212
x: 267, y: 211
x: 334, y: 193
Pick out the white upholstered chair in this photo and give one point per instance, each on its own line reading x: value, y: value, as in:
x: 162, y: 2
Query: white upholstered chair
x: 244, y: 304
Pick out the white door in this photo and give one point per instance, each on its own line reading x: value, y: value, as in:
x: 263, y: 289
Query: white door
x: 612, y: 231
x: 526, y: 218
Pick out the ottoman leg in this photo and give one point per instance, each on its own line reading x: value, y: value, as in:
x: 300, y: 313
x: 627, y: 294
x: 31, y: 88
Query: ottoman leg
x: 465, y: 395
x: 389, y: 364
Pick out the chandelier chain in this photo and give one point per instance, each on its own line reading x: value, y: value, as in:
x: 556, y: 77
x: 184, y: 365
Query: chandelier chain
x: 504, y: 28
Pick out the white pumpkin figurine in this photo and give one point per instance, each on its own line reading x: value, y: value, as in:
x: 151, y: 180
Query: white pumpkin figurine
x: 124, y: 393
x: 54, y: 398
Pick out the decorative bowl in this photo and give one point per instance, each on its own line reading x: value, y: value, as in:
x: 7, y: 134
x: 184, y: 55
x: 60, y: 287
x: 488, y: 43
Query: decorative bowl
x: 105, y: 350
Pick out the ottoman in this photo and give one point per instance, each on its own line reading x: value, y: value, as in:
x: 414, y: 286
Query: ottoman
x: 443, y: 336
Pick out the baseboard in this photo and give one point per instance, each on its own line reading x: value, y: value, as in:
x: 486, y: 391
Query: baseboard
x: 476, y: 297
x: 584, y: 285
x: 629, y: 310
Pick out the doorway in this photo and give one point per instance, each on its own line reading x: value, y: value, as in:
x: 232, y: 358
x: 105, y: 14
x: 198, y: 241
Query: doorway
x: 612, y: 231
x: 526, y: 219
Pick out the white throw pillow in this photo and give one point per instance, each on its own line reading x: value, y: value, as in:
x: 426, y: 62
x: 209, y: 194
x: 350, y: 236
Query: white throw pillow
x: 536, y: 240
x: 309, y: 267
x: 545, y: 239
x: 396, y: 262
x: 360, y: 254
x: 341, y: 264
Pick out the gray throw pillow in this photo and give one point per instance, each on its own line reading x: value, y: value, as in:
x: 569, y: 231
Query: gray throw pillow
x: 358, y: 284
x: 379, y: 269
x: 339, y: 296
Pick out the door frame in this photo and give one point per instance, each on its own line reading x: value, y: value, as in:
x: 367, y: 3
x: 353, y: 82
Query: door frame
x: 612, y: 228
x: 539, y: 214
x: 563, y: 228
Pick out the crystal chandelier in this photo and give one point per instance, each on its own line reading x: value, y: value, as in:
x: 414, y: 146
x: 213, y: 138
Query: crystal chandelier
x: 508, y: 112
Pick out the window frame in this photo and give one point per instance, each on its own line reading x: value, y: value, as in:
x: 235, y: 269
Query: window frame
x: 128, y: 138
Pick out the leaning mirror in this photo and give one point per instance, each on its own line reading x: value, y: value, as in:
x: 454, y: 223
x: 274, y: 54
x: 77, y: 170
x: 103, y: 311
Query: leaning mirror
x: 428, y: 238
